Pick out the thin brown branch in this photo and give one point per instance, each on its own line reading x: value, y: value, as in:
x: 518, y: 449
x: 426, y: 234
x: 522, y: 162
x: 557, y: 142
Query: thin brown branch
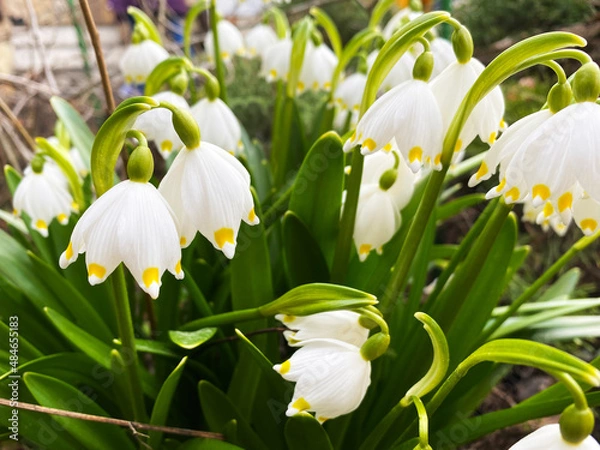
x: 134, y: 426
x: 17, y: 124
x: 95, y: 38
x: 28, y: 84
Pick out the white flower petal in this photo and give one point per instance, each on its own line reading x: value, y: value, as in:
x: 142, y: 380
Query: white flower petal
x: 139, y: 60
x: 218, y: 125
x: 549, y: 438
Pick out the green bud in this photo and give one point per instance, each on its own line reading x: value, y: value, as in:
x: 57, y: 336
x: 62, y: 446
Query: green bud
x: 462, y: 43
x: 140, y: 166
x: 186, y: 127
x: 179, y: 83
x: 388, y: 179
x: 423, y: 66
x: 559, y: 97
x: 375, y: 346
x: 586, y: 83
x: 316, y: 37
x: 37, y: 163
x: 140, y: 34
x: 416, y: 5
x: 576, y: 424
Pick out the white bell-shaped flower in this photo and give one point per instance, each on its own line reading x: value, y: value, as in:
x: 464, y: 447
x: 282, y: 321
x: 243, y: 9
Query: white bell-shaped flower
x: 397, y: 20
x: 317, y: 68
x: 544, y: 216
x: 348, y: 96
x: 131, y: 223
x: 410, y: 114
x: 378, y: 212
x: 276, y: 61
x: 218, y: 124
x: 331, y: 378
x: 157, y: 124
x: 443, y: 55
x: 401, y: 72
x: 451, y: 86
x: 341, y: 325
x: 586, y: 212
x: 43, y: 195
x: 231, y: 42
x: 259, y: 39
x: 209, y: 191
x: 549, y: 438
x: 139, y: 60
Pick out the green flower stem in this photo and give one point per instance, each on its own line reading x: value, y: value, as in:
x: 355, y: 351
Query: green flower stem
x: 374, y: 438
x: 423, y: 423
x: 188, y: 25
x: 223, y: 319
x: 382, y: 324
x: 577, y: 248
x: 212, y: 86
x: 558, y: 70
x: 282, y: 26
x: 579, y: 398
x: 300, y: 39
x: 381, y: 8
x: 330, y: 28
x: 139, y: 136
x: 278, y: 208
x: 391, y: 52
x: 220, y: 67
x: 65, y: 165
x: 126, y: 334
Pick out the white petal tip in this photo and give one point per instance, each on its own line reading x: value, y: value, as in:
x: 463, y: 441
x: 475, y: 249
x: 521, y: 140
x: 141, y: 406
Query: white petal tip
x: 537, y: 201
x: 94, y: 280
x: 415, y: 166
x: 492, y: 193
x: 229, y: 250
x: 153, y: 290
x: 473, y: 181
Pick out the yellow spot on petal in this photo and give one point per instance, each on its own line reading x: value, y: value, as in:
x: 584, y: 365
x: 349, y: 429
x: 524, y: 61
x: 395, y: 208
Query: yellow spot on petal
x: 370, y: 144
x: 364, y: 249
x: 300, y: 85
x: 542, y: 191
x: 15, y: 212
x: 438, y: 159
x: 315, y: 85
x: 69, y: 251
x: 128, y: 79
x: 502, y: 124
x: 492, y: 137
x: 589, y: 224
x: 483, y: 170
x: 565, y: 201
x: 225, y: 55
x: 150, y: 276
x: 223, y: 236
x: 322, y: 419
x: 182, y: 241
x: 139, y: 78
x: 458, y: 145
x: 513, y: 193
x: 273, y: 73
x: 285, y: 367
x: 96, y: 270
x: 427, y: 160
x: 548, y: 209
x: 251, y: 215
x: 178, y: 266
x: 501, y: 185
x: 327, y: 85
x: 40, y: 224
x: 301, y: 404
x: 62, y: 217
x: 353, y: 137
x: 166, y: 146
x: 415, y: 154
x: 387, y: 147
x: 74, y: 206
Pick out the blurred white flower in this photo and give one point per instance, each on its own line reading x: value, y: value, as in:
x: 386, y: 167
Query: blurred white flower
x: 131, y: 223
x: 549, y: 438
x: 317, y: 68
x: 209, y: 191
x: 231, y: 42
x: 139, y: 60
x: 331, y: 378
x: 443, y: 55
x: 543, y: 217
x: 342, y: 325
x: 586, y: 212
x: 398, y: 20
x: 218, y: 125
x: 259, y: 39
x: 276, y: 61
x: 401, y: 72
x: 451, y: 86
x: 410, y: 114
x: 378, y: 212
x: 348, y: 96
x: 43, y: 195
x: 157, y: 124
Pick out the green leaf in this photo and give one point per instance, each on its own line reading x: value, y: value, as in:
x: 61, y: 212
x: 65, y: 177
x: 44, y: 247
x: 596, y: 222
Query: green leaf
x: 110, y: 139
x: 457, y: 206
x: 25, y: 350
x: 219, y: 411
x: 191, y: 339
x: 303, y: 260
x: 81, y: 136
x: 160, y: 411
x: 85, y: 315
x: 317, y: 193
x: 13, y: 178
x: 257, y: 165
x: 207, y: 444
x: 563, y: 287
x: 54, y: 393
x: 302, y: 431
x: 567, y: 328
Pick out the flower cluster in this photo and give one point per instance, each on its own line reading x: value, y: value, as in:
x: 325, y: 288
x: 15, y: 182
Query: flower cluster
x: 330, y: 372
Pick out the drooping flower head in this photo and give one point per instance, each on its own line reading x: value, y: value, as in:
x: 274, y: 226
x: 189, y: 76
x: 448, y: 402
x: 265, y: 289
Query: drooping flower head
x: 140, y: 59
x: 401, y: 72
x: 348, y: 95
x: 276, y: 61
x: 43, y: 195
x: 209, y: 191
x: 218, y: 124
x: 231, y: 42
x: 317, y: 68
x: 259, y: 39
x: 157, y: 124
x: 130, y: 223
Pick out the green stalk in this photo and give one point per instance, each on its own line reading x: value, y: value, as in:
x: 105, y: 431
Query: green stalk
x: 577, y: 248
x: 127, y: 336
x: 220, y: 67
